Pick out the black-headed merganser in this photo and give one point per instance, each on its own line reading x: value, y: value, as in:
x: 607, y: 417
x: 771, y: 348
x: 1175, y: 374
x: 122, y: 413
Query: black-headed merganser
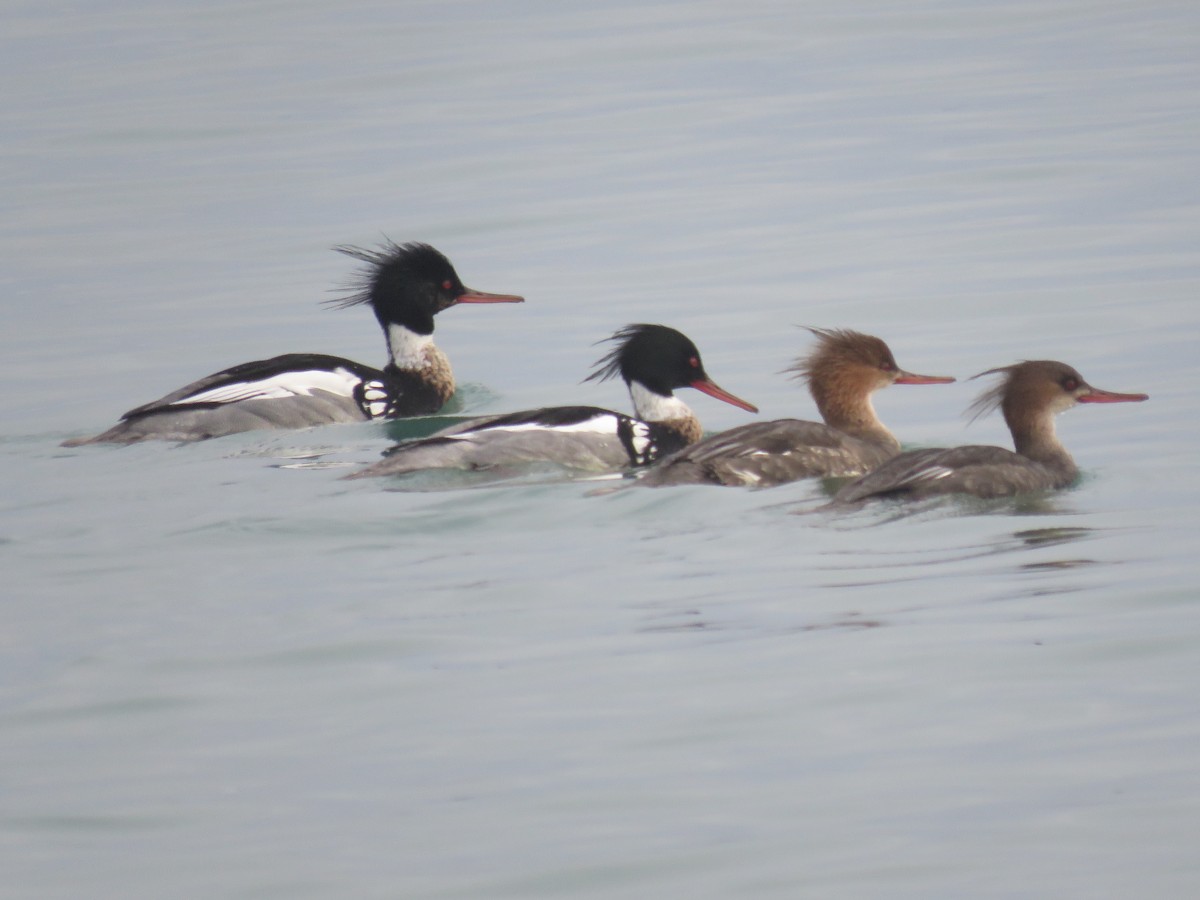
x: 406, y: 285
x: 653, y: 360
x: 1030, y: 395
x: 842, y: 372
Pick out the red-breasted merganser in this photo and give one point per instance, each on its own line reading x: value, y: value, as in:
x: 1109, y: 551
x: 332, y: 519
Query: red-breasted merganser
x: 406, y: 285
x: 653, y: 360
x: 842, y: 372
x: 1030, y: 395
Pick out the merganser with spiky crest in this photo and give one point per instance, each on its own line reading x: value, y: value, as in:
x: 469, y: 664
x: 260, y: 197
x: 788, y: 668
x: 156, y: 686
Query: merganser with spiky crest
x: 406, y: 285
x: 842, y: 373
x: 1030, y: 395
x: 653, y: 360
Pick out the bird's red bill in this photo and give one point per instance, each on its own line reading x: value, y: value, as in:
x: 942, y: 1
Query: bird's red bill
x: 708, y: 387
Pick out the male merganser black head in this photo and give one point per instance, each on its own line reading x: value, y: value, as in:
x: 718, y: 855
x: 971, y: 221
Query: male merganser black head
x: 657, y: 359
x: 408, y: 284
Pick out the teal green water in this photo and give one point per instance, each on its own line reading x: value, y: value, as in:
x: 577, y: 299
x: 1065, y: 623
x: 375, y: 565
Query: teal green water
x: 227, y: 672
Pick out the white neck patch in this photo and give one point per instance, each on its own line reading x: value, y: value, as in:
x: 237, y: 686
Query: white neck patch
x: 407, y: 348
x: 651, y: 407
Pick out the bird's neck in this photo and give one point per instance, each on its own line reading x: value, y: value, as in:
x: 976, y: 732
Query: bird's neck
x: 669, y: 410
x: 420, y: 365
x: 1035, y: 437
x: 852, y: 413
x: 409, y: 351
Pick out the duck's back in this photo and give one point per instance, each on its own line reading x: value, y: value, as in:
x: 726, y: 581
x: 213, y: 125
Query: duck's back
x: 981, y: 471
x: 587, y: 438
x: 295, y: 390
x: 769, y: 453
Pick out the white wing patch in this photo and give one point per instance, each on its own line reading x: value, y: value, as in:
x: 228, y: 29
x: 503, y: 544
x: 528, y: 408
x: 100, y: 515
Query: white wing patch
x: 594, y: 425
x: 375, y: 398
x: 286, y: 384
x: 641, y: 440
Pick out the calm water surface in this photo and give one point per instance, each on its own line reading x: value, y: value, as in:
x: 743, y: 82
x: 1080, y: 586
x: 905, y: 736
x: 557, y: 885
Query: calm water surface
x: 227, y: 673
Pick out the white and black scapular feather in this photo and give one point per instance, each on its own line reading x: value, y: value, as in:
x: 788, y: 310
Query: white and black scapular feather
x: 843, y: 371
x: 1030, y: 395
x: 653, y: 360
x: 406, y: 285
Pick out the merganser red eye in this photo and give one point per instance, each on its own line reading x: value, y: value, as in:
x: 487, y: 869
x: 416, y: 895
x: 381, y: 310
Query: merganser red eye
x: 447, y: 285
x: 1070, y: 383
x: 694, y: 362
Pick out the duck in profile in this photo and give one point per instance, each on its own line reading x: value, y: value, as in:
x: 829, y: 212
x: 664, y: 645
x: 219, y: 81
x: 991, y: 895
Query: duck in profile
x: 653, y: 360
x: 406, y: 285
x: 842, y: 373
x: 1030, y: 394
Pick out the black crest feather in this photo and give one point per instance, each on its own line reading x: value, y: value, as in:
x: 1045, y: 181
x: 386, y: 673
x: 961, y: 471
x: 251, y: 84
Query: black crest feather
x: 387, y: 261
x: 609, y: 365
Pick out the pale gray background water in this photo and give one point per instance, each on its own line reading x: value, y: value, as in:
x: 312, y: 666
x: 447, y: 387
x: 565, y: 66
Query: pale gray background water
x: 225, y: 673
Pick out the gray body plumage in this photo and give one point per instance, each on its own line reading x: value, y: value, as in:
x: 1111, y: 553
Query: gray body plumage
x: 480, y: 444
x: 975, y: 469
x: 183, y: 423
x: 295, y: 390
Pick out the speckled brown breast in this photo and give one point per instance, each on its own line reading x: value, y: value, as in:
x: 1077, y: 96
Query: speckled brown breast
x: 439, y: 375
x: 422, y: 391
x: 688, y: 429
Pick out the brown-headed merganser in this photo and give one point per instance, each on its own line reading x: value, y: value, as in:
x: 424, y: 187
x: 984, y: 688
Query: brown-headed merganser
x: 406, y: 285
x: 653, y: 360
x: 1030, y: 394
x: 842, y: 372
